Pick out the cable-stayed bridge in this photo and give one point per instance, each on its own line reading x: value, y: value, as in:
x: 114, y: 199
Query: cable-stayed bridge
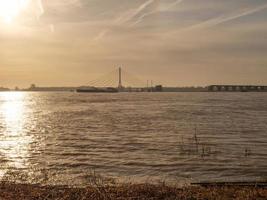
x: 122, y: 81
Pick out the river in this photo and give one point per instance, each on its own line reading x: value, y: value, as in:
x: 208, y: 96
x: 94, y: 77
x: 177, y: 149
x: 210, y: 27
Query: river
x: 65, y: 137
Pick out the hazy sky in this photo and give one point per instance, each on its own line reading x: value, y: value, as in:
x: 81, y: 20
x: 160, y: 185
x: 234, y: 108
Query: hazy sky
x: 173, y: 42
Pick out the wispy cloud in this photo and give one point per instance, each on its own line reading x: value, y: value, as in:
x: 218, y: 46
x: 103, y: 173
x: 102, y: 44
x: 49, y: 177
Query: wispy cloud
x: 133, y: 13
x: 125, y: 17
x: 144, y: 15
x: 226, y: 18
x: 138, y: 15
x: 41, y: 8
x: 52, y: 28
x: 101, y: 35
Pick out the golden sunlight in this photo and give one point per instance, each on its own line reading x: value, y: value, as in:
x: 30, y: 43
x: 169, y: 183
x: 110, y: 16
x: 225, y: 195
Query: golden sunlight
x: 10, y: 9
x: 14, y: 143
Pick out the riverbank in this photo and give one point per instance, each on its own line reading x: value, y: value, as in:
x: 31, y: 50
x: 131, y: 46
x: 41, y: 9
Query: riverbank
x: 9, y: 191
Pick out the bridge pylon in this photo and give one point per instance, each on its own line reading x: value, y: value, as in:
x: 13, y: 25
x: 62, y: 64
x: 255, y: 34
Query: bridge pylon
x: 120, y: 87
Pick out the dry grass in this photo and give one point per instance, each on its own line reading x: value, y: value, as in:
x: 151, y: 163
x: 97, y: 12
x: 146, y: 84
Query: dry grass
x: 101, y: 188
x: 10, y: 191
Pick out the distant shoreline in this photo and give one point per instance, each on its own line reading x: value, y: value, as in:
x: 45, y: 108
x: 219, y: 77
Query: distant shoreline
x: 72, y: 89
x: 148, y: 90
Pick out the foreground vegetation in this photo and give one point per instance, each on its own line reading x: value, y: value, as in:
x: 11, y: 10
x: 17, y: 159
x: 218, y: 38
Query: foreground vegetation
x: 10, y: 191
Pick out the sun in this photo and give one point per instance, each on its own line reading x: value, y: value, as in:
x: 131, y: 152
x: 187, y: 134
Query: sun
x: 10, y: 9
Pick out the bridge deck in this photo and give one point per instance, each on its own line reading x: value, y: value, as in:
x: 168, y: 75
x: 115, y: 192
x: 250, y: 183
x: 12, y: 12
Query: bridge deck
x: 237, y: 88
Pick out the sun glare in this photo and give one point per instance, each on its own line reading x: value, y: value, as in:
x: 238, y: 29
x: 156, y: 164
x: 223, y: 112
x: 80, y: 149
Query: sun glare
x: 10, y: 9
x: 14, y: 142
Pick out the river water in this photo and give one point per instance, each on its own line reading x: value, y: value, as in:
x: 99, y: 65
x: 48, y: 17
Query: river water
x: 62, y: 138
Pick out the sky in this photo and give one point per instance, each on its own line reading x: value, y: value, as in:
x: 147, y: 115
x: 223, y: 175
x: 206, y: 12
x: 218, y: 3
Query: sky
x: 172, y: 42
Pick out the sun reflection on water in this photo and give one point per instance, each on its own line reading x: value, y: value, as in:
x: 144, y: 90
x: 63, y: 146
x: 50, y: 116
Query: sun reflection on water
x: 14, y: 141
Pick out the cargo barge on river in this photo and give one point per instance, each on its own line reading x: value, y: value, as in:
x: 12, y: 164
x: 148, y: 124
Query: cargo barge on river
x: 97, y: 90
